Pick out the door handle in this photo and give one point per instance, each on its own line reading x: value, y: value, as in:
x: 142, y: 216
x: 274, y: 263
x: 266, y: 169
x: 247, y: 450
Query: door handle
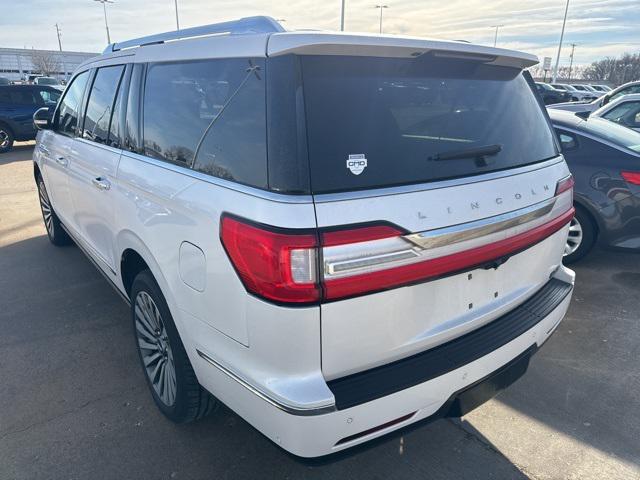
x: 101, y: 183
x: 62, y: 161
x: 43, y: 149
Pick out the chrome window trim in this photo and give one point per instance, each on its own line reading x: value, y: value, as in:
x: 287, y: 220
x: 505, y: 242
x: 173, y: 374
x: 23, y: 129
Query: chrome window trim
x: 321, y: 410
x: 426, y: 186
x: 238, y: 187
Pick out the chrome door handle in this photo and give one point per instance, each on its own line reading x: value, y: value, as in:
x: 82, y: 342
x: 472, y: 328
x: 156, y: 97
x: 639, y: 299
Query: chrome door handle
x: 101, y: 183
x: 43, y: 149
x: 62, y: 161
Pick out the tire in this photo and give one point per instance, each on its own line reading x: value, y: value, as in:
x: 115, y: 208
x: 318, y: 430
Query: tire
x: 6, y: 138
x: 165, y: 364
x: 582, y: 236
x: 57, y: 235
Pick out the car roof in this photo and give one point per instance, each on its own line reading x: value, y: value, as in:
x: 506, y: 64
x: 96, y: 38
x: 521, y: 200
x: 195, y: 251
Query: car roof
x: 264, y: 37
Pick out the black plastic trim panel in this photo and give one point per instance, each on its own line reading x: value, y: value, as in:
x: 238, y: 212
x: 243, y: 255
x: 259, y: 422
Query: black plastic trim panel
x: 378, y: 382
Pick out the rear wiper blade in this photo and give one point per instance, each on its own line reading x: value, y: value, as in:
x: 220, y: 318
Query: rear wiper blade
x: 479, y: 153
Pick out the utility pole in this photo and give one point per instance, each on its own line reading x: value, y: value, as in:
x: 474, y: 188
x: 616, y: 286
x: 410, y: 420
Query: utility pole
x: 106, y: 24
x: 573, y: 47
x: 381, y: 7
x: 177, y: 21
x: 58, y: 33
x: 564, y: 22
x: 342, y: 17
x: 495, y: 38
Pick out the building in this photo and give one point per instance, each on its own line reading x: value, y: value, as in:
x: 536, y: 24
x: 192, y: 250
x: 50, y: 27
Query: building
x: 17, y: 63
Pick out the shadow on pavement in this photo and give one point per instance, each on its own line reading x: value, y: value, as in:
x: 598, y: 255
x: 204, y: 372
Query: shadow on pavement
x: 585, y: 381
x: 74, y: 403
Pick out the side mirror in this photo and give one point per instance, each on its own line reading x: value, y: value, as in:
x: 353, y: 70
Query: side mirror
x: 43, y: 118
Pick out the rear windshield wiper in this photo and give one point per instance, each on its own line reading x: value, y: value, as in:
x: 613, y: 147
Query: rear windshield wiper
x: 478, y: 153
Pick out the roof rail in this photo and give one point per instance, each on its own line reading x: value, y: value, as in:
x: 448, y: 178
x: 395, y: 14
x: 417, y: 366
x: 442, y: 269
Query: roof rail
x: 243, y: 26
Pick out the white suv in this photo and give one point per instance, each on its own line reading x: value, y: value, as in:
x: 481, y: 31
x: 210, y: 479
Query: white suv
x: 336, y: 235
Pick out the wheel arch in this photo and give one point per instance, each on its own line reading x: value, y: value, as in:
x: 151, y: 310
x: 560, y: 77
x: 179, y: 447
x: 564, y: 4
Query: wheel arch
x: 591, y: 211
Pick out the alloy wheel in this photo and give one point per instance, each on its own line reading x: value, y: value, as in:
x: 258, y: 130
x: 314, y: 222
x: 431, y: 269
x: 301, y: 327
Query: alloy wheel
x: 4, y: 139
x: 155, y: 348
x: 575, y: 237
x: 45, y: 206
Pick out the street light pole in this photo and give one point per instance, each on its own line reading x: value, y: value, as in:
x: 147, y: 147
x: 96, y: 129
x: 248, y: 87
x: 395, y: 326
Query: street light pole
x: 177, y: 21
x: 564, y: 22
x: 106, y: 24
x: 495, y: 38
x: 342, y: 17
x: 381, y: 7
x: 58, y: 33
x: 573, y: 47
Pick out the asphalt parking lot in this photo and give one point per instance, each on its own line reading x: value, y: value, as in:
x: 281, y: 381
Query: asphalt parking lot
x: 74, y: 405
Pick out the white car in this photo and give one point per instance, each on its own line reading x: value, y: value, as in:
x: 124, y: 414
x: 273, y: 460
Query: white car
x: 624, y: 110
x: 333, y: 234
x: 577, y: 95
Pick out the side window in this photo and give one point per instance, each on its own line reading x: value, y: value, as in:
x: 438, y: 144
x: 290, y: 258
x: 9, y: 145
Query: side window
x: 567, y: 140
x: 49, y: 97
x: 100, y: 104
x: 66, y: 117
x: 117, y: 119
x: 22, y: 97
x: 617, y: 113
x: 209, y: 116
x: 132, y: 140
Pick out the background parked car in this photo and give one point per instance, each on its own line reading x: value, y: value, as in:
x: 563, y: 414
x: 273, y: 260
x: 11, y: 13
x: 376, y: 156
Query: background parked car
x: 18, y: 103
x: 575, y: 94
x: 624, y: 110
x: 551, y: 95
x: 601, y: 88
x: 604, y: 159
x: 626, y: 89
x: 4, y: 81
x: 50, y: 82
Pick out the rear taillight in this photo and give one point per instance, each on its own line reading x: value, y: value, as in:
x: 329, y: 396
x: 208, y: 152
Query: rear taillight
x: 302, y: 267
x: 279, y: 265
x: 631, y: 177
x: 565, y: 184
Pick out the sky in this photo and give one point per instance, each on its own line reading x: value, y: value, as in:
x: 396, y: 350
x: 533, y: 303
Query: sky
x: 600, y: 28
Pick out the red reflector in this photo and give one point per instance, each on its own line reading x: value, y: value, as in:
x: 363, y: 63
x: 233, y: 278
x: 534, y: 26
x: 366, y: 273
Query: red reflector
x: 631, y: 177
x: 395, y: 277
x: 363, y: 234
x: 263, y: 260
x: 565, y: 184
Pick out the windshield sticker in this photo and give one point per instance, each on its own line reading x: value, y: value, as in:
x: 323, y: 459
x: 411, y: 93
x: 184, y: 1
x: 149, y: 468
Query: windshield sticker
x: 357, y: 162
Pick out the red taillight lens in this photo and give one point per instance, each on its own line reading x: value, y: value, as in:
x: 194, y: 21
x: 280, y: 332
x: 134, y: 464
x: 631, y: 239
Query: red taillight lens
x: 565, y: 184
x: 278, y: 266
x: 631, y: 177
x: 356, y: 235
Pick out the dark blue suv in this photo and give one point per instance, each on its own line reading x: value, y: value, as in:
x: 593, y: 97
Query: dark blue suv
x: 18, y: 103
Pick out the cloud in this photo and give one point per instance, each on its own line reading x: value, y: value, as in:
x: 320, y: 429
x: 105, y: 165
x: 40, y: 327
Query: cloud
x: 600, y: 28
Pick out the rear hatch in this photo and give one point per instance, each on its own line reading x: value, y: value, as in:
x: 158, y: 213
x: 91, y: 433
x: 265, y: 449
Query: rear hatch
x: 435, y: 180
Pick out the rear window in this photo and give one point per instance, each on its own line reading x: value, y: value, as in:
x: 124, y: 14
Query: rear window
x: 378, y: 122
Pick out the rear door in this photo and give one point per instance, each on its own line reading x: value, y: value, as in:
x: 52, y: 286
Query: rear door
x: 435, y: 182
x: 95, y: 156
x: 56, y: 146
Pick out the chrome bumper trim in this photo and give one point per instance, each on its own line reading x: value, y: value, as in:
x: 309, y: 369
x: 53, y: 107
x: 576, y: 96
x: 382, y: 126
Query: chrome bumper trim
x: 267, y: 398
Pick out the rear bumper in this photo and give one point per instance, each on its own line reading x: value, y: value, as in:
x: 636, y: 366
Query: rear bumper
x: 448, y: 391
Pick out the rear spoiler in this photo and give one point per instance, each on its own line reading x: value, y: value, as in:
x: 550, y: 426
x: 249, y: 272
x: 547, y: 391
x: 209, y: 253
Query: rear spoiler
x: 324, y: 43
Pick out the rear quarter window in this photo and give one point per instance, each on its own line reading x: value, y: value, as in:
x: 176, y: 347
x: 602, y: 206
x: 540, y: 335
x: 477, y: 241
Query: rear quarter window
x: 209, y: 116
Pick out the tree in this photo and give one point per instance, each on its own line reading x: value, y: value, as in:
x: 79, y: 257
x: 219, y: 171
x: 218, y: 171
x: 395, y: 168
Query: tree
x: 615, y: 70
x: 45, y: 63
